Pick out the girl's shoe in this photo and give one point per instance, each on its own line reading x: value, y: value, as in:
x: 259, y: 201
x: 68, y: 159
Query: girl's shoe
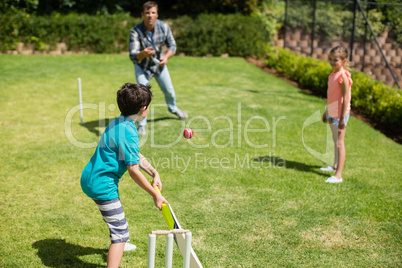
x: 333, y: 179
x: 329, y: 168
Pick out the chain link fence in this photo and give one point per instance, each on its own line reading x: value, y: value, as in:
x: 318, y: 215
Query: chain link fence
x: 313, y: 27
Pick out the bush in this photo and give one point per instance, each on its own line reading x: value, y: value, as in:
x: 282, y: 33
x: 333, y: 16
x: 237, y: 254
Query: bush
x: 236, y: 35
x: 378, y: 101
x: 272, y: 14
x: 99, y: 34
x: 308, y: 71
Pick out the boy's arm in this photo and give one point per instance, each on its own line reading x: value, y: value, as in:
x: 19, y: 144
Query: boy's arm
x: 140, y: 179
x: 151, y: 171
x: 345, y: 87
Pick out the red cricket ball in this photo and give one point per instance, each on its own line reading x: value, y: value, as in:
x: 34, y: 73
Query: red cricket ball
x: 188, y: 133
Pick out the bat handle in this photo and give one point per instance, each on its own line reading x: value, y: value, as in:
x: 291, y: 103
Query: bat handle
x: 159, y: 191
x: 156, y: 187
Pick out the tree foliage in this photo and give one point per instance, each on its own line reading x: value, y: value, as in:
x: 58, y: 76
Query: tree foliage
x: 104, y: 7
x: 332, y: 19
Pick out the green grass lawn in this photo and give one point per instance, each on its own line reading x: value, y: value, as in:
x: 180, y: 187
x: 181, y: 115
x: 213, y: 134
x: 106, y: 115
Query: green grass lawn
x: 247, y: 184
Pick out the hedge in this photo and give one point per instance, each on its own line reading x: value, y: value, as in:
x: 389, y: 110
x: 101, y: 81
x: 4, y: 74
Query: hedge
x: 99, y: 34
x: 236, y: 35
x: 380, y: 102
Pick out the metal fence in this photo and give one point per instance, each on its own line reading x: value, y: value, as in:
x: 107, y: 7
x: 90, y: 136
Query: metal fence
x: 308, y: 30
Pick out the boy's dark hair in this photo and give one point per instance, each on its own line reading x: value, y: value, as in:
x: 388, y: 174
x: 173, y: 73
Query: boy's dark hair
x: 148, y: 5
x: 131, y: 97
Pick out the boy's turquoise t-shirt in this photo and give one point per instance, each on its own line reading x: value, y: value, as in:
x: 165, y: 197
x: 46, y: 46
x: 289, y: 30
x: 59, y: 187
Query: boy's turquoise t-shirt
x: 117, y: 148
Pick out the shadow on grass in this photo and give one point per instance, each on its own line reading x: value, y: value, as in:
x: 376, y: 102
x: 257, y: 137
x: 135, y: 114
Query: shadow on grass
x: 283, y: 163
x: 279, y: 93
x: 94, y: 126
x: 162, y: 119
x: 266, y: 92
x: 58, y: 253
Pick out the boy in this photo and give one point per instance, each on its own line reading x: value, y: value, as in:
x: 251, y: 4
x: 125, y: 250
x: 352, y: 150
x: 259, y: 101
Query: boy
x: 117, y: 152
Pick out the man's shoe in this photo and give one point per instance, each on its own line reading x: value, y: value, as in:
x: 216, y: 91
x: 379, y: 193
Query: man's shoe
x: 141, y: 130
x: 329, y: 169
x: 333, y: 179
x: 180, y: 114
x: 129, y: 247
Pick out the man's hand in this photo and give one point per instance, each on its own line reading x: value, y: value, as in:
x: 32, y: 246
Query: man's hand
x: 163, y: 61
x: 146, y: 53
x: 164, y: 58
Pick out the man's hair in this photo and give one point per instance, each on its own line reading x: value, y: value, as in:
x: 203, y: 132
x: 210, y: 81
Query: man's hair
x: 148, y: 5
x: 131, y: 97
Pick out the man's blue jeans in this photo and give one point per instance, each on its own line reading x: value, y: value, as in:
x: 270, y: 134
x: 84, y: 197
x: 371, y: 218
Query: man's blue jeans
x: 165, y: 83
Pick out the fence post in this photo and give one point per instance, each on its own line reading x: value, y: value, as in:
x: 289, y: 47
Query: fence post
x: 284, y: 25
x: 352, y: 39
x: 365, y: 39
x: 313, y: 30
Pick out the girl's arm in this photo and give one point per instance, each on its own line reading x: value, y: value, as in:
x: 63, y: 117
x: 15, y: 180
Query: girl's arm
x: 324, y: 116
x: 140, y: 179
x: 345, y: 87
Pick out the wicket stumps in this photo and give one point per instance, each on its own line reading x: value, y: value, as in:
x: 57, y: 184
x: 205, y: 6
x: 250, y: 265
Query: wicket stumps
x: 169, y: 247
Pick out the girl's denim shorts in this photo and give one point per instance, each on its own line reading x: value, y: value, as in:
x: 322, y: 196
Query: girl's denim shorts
x: 335, y: 121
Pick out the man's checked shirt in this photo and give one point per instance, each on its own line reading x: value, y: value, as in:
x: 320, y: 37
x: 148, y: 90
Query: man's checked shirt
x: 140, y: 38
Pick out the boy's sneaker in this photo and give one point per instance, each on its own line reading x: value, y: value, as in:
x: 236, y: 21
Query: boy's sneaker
x: 180, y: 114
x: 129, y: 247
x: 329, y: 169
x: 141, y: 130
x: 333, y: 179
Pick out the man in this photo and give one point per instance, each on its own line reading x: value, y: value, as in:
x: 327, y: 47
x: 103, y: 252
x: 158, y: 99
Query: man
x: 146, y: 42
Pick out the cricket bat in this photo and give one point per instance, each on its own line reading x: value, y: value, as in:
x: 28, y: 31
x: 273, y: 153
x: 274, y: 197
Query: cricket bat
x: 173, y: 223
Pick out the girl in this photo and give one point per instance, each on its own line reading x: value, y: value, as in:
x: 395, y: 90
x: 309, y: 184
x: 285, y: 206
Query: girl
x: 338, y: 108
